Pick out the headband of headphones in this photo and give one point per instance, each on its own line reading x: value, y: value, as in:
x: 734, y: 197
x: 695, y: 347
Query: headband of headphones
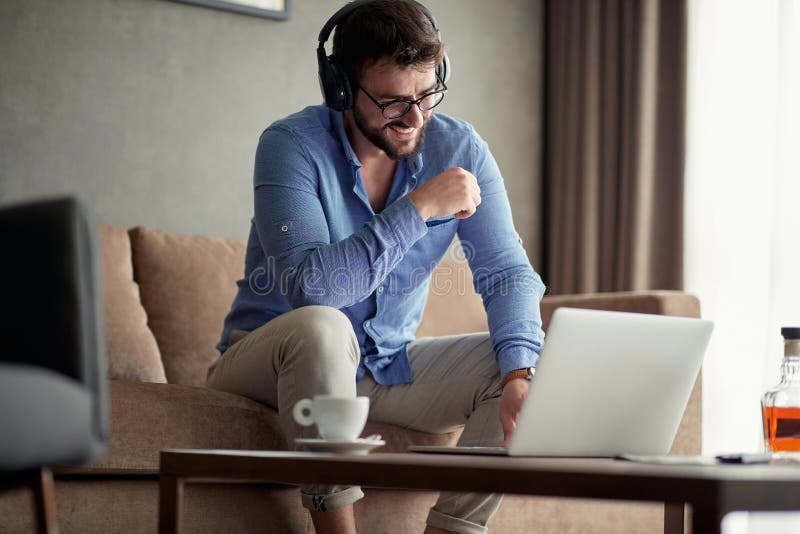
x: 333, y: 81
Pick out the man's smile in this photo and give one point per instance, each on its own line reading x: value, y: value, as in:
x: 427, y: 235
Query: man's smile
x: 402, y: 132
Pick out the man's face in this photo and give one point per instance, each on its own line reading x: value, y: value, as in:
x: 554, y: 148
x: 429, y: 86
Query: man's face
x: 385, y: 81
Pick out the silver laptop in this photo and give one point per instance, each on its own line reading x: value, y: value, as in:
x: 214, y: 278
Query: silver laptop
x: 607, y: 384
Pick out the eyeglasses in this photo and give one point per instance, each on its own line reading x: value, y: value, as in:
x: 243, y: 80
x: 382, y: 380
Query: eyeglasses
x: 398, y: 108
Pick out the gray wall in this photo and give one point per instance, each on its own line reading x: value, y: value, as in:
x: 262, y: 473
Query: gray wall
x: 152, y: 109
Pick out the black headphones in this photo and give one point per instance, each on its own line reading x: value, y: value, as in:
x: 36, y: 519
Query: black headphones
x: 333, y: 81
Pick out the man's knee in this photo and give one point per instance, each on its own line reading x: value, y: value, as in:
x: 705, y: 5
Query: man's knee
x: 325, y: 330
x: 323, y: 322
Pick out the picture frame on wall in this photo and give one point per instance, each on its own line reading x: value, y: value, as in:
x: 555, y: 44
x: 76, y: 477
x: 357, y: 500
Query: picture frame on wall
x: 269, y: 9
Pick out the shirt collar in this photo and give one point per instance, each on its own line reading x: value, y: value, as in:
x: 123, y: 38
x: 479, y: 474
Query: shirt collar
x: 337, y: 117
x: 414, y: 162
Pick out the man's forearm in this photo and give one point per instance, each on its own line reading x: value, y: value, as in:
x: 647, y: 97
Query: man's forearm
x: 512, y: 306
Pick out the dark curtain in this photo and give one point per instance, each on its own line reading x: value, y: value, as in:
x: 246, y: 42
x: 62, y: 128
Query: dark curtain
x: 615, y: 77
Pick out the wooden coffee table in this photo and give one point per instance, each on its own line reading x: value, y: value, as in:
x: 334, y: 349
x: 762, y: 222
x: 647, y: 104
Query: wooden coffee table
x: 711, y: 491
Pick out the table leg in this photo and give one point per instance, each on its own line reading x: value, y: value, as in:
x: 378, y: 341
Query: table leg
x: 706, y: 519
x: 170, y: 504
x: 45, y: 501
x: 674, y: 518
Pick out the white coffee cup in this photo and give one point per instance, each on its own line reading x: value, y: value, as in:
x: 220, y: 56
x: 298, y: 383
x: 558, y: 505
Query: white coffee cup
x: 337, y: 418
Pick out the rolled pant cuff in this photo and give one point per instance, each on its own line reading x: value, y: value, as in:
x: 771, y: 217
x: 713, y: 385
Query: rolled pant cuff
x: 328, y: 502
x: 446, y: 522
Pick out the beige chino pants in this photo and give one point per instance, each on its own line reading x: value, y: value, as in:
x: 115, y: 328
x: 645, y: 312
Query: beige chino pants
x: 313, y: 351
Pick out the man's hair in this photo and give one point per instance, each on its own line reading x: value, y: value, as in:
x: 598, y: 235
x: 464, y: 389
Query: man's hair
x: 393, y: 30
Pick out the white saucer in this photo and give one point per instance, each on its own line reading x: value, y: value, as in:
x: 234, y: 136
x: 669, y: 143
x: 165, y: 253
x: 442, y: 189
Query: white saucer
x: 356, y: 446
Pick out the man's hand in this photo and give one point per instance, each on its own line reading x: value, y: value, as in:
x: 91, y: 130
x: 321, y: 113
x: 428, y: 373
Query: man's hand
x: 454, y: 192
x: 514, y: 394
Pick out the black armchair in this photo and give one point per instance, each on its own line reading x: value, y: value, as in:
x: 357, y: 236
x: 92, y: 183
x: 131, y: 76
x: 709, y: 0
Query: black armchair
x: 53, y: 388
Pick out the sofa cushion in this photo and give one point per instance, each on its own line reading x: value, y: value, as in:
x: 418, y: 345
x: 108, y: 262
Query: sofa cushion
x: 187, y: 285
x: 130, y: 346
x: 146, y: 418
x: 453, y: 307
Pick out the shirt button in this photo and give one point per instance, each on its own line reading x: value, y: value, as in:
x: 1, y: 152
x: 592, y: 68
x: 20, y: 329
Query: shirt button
x: 366, y: 359
x: 366, y: 324
x: 284, y: 228
x: 380, y: 289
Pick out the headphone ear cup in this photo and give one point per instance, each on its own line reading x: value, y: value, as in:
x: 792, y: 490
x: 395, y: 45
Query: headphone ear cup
x: 334, y: 84
x: 443, y: 70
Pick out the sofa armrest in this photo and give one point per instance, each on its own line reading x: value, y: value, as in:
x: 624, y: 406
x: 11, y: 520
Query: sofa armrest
x: 675, y: 303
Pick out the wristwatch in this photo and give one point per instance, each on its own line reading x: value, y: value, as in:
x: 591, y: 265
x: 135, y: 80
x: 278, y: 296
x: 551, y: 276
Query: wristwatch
x: 526, y: 373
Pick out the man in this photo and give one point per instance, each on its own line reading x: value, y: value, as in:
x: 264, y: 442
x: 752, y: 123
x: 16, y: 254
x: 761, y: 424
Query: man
x: 353, y: 210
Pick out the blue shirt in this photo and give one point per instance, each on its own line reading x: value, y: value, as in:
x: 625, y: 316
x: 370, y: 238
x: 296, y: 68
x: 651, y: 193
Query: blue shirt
x: 315, y: 239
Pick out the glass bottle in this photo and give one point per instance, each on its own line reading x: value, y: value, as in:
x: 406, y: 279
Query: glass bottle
x: 781, y: 404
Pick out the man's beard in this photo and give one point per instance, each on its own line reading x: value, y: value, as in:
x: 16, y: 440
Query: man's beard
x: 379, y: 137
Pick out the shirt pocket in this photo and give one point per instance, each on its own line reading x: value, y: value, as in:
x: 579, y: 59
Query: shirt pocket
x: 442, y: 227
x: 433, y: 223
x: 434, y: 243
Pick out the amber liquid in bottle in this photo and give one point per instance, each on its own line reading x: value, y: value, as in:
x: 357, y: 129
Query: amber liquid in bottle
x: 781, y: 405
x: 782, y: 428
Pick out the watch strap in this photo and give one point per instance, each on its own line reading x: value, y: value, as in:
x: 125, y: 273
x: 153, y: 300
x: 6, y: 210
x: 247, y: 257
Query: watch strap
x: 525, y: 372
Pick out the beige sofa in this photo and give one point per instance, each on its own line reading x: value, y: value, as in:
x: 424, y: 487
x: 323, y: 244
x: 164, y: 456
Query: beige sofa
x: 166, y: 296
